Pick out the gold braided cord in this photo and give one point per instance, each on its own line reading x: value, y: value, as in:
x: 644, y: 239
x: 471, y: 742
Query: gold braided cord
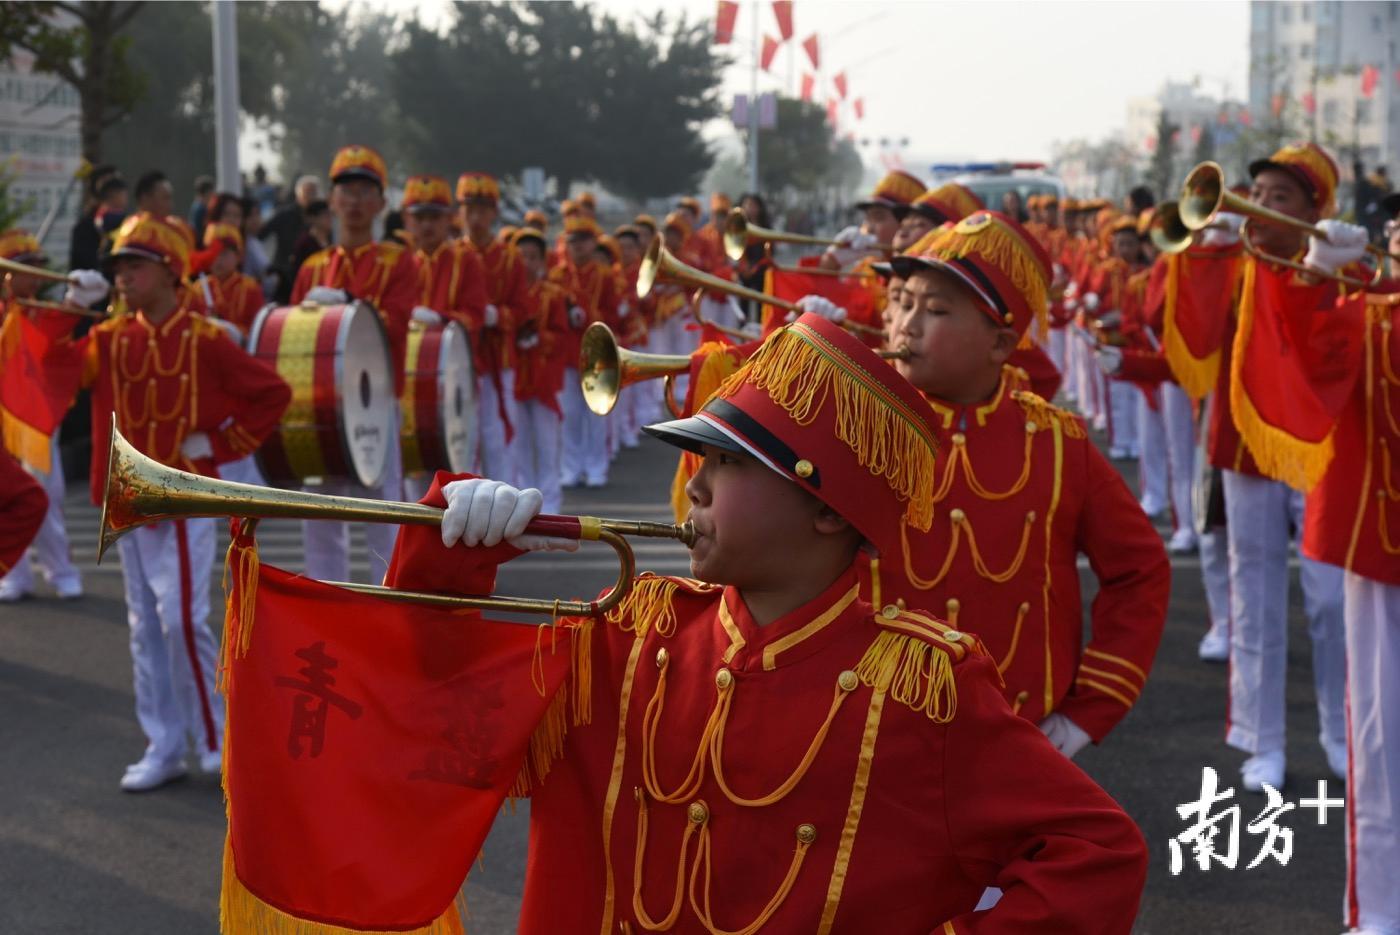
x: 914, y: 672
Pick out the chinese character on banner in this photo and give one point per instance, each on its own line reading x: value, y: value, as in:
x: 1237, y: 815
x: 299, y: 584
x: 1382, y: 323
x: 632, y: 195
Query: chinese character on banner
x: 770, y: 49
x: 314, y: 699
x: 840, y: 82
x: 813, y: 50
x: 782, y: 12
x: 809, y: 85
x: 725, y: 16
x: 1370, y: 77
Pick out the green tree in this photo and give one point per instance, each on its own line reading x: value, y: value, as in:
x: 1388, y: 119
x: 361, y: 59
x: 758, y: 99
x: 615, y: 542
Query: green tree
x: 1205, y: 146
x: 86, y: 45
x: 801, y: 152
x: 1161, y: 174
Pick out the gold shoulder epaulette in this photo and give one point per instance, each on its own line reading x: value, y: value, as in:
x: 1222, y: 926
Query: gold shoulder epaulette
x: 650, y: 605
x: 912, y: 659
x: 1046, y: 414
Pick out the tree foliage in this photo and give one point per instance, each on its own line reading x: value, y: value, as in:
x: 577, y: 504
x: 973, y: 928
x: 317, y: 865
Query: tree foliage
x: 1161, y: 174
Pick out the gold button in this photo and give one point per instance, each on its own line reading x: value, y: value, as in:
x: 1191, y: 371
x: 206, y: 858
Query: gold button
x: 959, y: 438
x: 803, y: 468
x: 806, y: 833
x: 637, y: 793
x: 952, y: 636
x: 899, y: 602
x: 957, y: 515
x: 1030, y: 428
x: 662, y: 657
x: 848, y: 681
x: 698, y: 813
x: 1030, y: 517
x: 724, y: 678
x: 953, y: 605
x: 1025, y: 607
x: 1022, y: 697
x: 889, y: 612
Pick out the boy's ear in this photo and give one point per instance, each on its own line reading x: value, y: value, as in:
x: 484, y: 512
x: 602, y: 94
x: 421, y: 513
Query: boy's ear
x: 1004, y: 344
x: 828, y: 521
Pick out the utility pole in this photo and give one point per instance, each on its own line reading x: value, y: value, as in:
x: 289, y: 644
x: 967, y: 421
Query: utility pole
x: 753, y: 104
x: 226, y: 97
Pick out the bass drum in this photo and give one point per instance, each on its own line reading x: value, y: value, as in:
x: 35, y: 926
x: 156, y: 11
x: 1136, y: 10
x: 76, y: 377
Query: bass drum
x: 336, y: 360
x: 438, y: 410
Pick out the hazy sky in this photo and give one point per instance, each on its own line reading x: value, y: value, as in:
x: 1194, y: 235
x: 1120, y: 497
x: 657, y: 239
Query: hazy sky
x: 994, y: 80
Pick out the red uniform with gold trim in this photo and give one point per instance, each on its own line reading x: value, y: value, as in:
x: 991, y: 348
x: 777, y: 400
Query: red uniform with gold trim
x: 237, y: 298
x: 593, y: 288
x: 539, y: 371
x: 453, y: 284
x: 507, y: 288
x: 381, y: 273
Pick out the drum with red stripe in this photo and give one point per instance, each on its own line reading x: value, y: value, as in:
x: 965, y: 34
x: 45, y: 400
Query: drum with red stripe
x: 336, y: 360
x: 437, y: 425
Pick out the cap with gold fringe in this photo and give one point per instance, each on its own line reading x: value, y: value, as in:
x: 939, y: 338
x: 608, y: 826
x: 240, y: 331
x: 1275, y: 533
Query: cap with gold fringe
x: 896, y: 191
x: 949, y: 202
x: 1311, y: 165
x: 819, y: 407
x: 426, y: 193
x: 226, y: 234
x: 532, y: 234
x: 581, y: 225
x: 679, y: 221
x: 647, y: 221
x: 151, y: 238
x: 609, y: 246
x: 720, y: 203
x: 998, y: 260
x: 479, y: 187
x: 690, y: 204
x: 537, y: 219
x: 22, y: 247
x: 359, y: 162
x: 587, y: 201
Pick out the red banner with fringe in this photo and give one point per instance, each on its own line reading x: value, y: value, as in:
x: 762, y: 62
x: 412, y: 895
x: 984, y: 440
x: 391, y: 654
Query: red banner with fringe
x: 40, y: 372
x: 370, y: 744
x: 853, y: 293
x: 1197, y: 298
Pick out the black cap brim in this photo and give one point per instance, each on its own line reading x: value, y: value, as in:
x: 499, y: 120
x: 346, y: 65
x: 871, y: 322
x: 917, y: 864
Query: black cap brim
x: 692, y: 434
x: 1390, y: 204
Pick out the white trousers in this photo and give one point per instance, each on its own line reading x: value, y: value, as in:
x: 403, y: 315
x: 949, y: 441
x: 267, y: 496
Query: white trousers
x: 677, y: 338
x: 1055, y: 347
x: 1373, y: 745
x: 327, y: 542
x: 1152, y: 448
x: 1178, y: 421
x: 1258, y: 513
x: 165, y: 567
x: 50, y: 547
x: 544, y: 433
x: 1215, y: 576
x: 1123, y: 412
x: 585, y: 437
x: 499, y: 460
x: 244, y: 470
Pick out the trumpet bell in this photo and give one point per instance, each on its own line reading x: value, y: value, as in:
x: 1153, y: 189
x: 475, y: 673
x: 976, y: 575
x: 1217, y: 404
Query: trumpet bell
x: 660, y: 265
x: 1202, y: 195
x: 605, y: 367
x: 1168, y: 233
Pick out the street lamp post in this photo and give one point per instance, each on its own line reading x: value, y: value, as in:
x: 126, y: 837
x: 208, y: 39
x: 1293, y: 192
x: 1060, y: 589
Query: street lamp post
x: 226, y: 96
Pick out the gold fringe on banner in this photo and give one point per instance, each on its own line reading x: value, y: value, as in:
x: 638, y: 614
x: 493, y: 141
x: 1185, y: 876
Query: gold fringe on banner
x: 242, y: 913
x: 25, y: 442
x: 571, y: 706
x: 799, y: 370
x: 1196, y: 375
x: 242, y: 564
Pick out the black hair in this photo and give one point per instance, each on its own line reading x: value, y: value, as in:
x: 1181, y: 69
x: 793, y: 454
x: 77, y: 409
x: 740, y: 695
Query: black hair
x: 203, y: 184
x: 148, y: 182
x: 1141, y: 198
x: 221, y: 201
x: 317, y: 208
x: 112, y: 183
x: 763, y: 218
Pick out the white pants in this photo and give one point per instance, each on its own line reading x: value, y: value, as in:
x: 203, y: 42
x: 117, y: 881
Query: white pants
x: 585, y: 437
x: 1215, y: 576
x: 1152, y: 449
x: 327, y: 542
x: 1178, y: 421
x: 244, y: 470
x: 543, y: 431
x: 1373, y: 745
x: 1122, y: 414
x: 498, y: 459
x: 1258, y: 513
x: 165, y: 567
x: 677, y: 338
x: 1055, y: 347
x: 50, y: 547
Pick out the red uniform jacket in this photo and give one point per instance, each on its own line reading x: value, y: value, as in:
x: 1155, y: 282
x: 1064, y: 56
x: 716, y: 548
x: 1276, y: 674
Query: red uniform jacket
x: 1022, y: 493
x: 380, y: 273
x: 237, y: 298
x: 452, y: 282
x: 168, y: 381
x: 539, y: 371
x: 719, y: 774
x: 23, y: 504
x: 593, y: 288
x: 507, y: 288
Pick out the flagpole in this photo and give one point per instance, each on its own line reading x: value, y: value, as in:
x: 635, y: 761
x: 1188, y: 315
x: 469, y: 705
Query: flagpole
x: 226, y: 97
x: 753, y: 103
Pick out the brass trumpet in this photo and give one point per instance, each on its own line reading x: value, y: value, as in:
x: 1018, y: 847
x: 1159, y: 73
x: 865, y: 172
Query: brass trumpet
x: 739, y: 233
x: 605, y: 367
x: 1204, y: 194
x: 140, y: 490
x: 10, y: 266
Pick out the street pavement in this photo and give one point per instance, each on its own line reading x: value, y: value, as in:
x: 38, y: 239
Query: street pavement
x: 76, y: 854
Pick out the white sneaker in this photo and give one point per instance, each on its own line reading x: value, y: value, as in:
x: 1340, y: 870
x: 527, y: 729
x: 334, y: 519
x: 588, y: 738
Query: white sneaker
x: 211, y: 762
x: 1336, y: 757
x: 1262, y: 768
x: 151, y: 774
x: 68, y: 589
x: 1151, y: 506
x: 1215, y: 645
x: 1119, y: 454
x: 1182, y: 542
x: 12, y: 595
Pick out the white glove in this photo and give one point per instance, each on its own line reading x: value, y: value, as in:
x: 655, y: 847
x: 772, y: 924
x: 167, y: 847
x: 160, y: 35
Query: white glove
x: 753, y: 330
x: 491, y: 317
x: 528, y: 342
x: 1060, y: 275
x: 819, y: 305
x: 623, y: 310
x: 1224, y: 230
x: 484, y: 512
x: 324, y: 295
x: 577, y: 316
x: 1091, y: 302
x: 1111, y: 319
x: 1345, y: 243
x: 1068, y: 737
x: 851, y: 245
x: 1110, y: 361
x: 85, y: 287
x: 426, y: 315
x: 195, y: 446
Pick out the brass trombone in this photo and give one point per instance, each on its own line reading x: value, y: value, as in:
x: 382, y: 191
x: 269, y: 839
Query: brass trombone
x: 739, y: 233
x: 605, y: 367
x: 140, y: 491
x: 1204, y: 194
x: 10, y: 266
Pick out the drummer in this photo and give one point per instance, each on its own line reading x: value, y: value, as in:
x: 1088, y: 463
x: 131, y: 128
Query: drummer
x: 383, y: 274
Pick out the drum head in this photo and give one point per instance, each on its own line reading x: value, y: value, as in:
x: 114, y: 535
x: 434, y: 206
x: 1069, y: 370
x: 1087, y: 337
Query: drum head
x: 457, y: 397
x: 365, y: 383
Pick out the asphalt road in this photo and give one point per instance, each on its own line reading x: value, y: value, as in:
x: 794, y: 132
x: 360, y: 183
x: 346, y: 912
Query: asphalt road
x: 76, y: 854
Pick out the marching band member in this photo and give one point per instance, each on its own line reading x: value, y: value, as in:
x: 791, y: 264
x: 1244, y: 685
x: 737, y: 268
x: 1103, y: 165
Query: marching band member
x: 50, y: 543
x: 1204, y: 355
x: 23, y: 507
x: 593, y: 296
x: 234, y: 296
x: 1008, y: 530
x: 837, y: 715
x: 452, y: 282
x: 478, y: 199
x: 184, y: 394
x: 382, y: 274
x: 1108, y: 283
x: 712, y: 232
x: 539, y: 375
x: 637, y: 404
x: 705, y: 248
